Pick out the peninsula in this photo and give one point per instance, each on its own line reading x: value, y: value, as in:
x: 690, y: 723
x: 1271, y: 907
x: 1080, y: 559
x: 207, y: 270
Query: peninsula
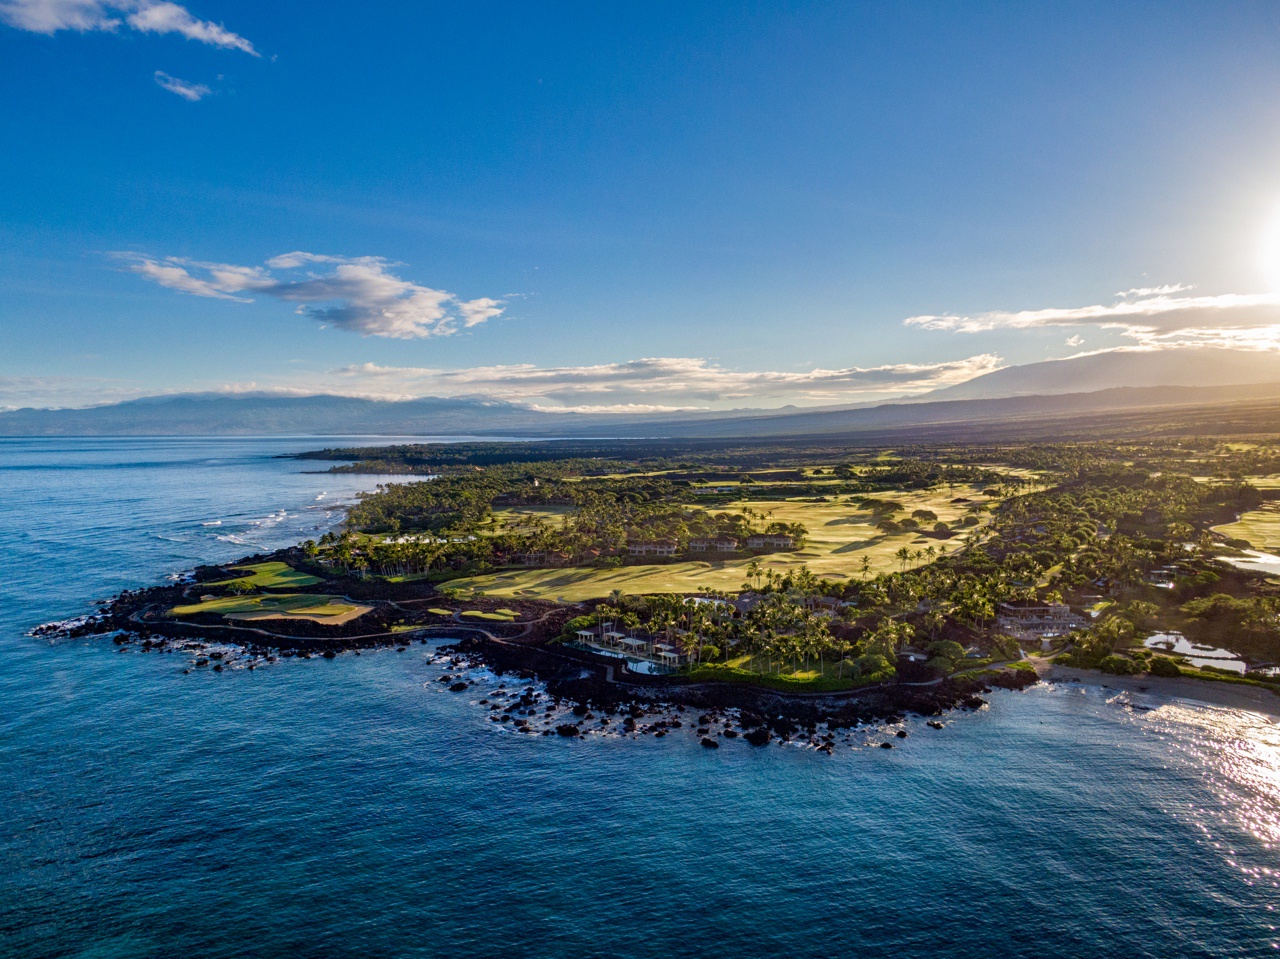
x: 797, y: 581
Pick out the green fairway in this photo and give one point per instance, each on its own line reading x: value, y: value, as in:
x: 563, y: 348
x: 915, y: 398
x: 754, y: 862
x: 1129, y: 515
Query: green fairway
x: 329, y: 609
x: 501, y: 616
x: 271, y: 576
x: 1261, y: 527
x: 840, y: 535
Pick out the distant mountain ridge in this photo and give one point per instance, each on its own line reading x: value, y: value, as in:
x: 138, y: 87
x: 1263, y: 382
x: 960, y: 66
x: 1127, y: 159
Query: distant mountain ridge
x: 223, y: 414
x: 1117, y: 369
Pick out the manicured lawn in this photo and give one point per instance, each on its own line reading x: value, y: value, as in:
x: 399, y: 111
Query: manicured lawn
x: 294, y: 605
x: 840, y: 534
x: 440, y: 612
x: 502, y: 616
x: 1261, y: 527
x: 271, y: 576
x: 800, y: 681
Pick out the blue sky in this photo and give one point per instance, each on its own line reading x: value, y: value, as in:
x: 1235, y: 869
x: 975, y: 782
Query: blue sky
x: 625, y: 205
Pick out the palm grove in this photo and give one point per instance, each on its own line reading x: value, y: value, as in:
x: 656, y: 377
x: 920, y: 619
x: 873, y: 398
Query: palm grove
x: 1079, y: 523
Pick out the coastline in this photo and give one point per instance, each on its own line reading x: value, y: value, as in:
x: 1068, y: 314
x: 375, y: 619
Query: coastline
x: 1205, y: 692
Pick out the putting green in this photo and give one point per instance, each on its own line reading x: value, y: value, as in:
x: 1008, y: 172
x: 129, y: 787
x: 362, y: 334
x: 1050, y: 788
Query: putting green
x: 270, y: 576
x: 323, y: 609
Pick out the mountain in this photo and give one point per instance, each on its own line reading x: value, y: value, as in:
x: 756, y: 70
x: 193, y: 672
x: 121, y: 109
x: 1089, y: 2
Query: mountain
x: 269, y: 414
x: 1126, y: 410
x: 1120, y: 368
x: 249, y: 414
x: 1254, y: 408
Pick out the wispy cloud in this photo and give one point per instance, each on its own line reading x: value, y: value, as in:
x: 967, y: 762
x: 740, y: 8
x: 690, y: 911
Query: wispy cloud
x: 659, y: 382
x: 359, y: 294
x: 145, y: 16
x: 184, y: 89
x: 64, y: 391
x: 1156, y: 317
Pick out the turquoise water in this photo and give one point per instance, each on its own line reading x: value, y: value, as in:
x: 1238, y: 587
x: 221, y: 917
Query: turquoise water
x: 354, y: 808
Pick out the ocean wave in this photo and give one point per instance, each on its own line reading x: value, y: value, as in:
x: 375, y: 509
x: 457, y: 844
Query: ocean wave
x: 267, y: 521
x: 216, y: 522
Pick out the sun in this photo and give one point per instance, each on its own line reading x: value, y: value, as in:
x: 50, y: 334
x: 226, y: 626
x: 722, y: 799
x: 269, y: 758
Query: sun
x: 1269, y: 252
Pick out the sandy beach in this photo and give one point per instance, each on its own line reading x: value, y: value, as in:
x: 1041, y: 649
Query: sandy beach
x: 1229, y: 695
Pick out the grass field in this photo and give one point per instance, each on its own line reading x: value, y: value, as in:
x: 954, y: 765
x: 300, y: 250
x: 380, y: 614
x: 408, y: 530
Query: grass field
x: 319, y: 609
x: 499, y: 616
x: 1261, y: 527
x: 271, y: 576
x: 840, y: 534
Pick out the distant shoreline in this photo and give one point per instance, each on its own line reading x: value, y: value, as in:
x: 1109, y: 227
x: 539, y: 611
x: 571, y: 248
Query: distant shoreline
x: 1228, y: 695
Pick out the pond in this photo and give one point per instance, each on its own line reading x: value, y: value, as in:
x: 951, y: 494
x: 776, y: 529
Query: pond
x: 1197, y: 654
x: 1256, y: 561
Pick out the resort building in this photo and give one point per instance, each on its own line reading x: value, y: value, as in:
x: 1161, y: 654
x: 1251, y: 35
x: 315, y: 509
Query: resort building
x: 770, y: 541
x: 1030, y: 620
x: 721, y: 544
x: 669, y: 655
x: 662, y: 547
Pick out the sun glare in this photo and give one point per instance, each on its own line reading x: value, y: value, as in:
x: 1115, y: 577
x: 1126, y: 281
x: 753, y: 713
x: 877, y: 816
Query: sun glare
x: 1269, y: 252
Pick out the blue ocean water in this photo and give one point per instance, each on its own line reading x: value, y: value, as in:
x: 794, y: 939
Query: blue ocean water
x: 355, y: 808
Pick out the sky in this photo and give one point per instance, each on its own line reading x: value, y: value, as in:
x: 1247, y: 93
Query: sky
x: 625, y: 206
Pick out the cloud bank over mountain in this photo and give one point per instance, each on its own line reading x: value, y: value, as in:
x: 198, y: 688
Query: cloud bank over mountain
x: 1154, y: 317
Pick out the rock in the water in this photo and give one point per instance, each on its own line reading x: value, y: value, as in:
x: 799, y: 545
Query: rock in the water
x: 758, y: 736
x: 567, y: 729
x: 709, y: 743
x: 902, y: 734
x: 886, y: 745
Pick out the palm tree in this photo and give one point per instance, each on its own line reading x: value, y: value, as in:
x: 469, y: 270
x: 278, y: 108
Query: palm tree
x: 866, y: 566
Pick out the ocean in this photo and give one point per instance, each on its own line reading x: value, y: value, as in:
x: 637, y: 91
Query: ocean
x: 354, y: 807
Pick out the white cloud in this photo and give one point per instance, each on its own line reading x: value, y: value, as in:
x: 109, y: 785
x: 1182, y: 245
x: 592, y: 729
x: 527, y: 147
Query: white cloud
x: 1154, y: 290
x: 150, y: 17
x: 188, y: 91
x: 1074, y: 340
x: 360, y: 294
x: 657, y: 383
x: 145, y: 16
x: 1156, y: 317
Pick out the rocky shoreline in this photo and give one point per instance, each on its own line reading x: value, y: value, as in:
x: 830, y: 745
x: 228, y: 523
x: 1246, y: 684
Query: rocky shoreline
x: 576, y: 682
